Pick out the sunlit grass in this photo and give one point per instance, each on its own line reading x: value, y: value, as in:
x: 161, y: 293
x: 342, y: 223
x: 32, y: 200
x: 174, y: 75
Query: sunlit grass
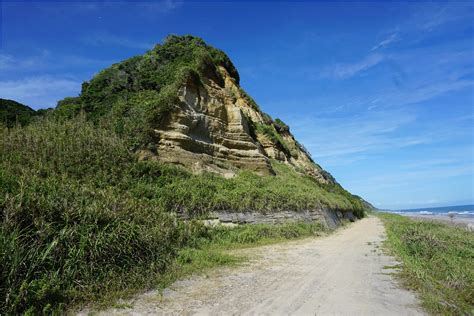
x: 437, y: 262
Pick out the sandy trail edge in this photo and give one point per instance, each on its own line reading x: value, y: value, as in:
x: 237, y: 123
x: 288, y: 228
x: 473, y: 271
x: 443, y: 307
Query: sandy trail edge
x: 342, y: 274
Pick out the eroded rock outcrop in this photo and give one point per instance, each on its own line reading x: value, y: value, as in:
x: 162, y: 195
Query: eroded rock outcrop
x: 208, y: 130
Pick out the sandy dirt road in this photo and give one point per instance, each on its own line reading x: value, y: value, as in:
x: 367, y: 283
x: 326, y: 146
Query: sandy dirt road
x: 341, y: 274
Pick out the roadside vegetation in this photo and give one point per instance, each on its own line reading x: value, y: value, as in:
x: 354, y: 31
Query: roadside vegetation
x: 82, y: 220
x: 437, y: 262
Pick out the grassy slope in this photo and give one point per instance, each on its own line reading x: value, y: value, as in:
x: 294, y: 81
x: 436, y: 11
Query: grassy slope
x: 82, y: 219
x: 437, y: 262
x: 12, y: 113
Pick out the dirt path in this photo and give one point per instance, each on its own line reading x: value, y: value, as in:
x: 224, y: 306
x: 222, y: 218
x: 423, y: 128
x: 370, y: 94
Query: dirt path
x: 342, y: 274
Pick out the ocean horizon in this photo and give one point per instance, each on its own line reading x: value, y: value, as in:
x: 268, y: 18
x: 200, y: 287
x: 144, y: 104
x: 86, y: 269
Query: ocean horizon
x: 457, y: 210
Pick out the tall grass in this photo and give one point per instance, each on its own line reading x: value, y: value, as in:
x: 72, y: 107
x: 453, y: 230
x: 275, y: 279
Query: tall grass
x: 67, y: 233
x: 81, y: 218
x: 437, y: 261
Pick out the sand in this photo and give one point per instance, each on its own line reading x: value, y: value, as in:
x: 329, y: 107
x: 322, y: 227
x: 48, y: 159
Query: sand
x: 345, y: 273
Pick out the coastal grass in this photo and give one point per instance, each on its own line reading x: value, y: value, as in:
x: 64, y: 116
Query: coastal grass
x: 437, y: 262
x: 81, y: 220
x: 214, y: 251
x: 206, y: 252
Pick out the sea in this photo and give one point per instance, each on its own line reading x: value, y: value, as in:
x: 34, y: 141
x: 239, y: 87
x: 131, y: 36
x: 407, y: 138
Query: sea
x: 458, y: 210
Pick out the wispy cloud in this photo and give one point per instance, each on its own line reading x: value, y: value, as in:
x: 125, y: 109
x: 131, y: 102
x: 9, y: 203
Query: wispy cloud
x: 39, y: 92
x: 394, y: 37
x: 426, y: 17
x: 363, y: 133
x: 422, y: 92
x: 165, y: 6
x: 144, y: 7
x: 432, y: 15
x: 344, y: 139
x: 108, y: 39
x: 400, y: 178
x: 344, y: 71
x: 5, y: 61
x: 9, y: 62
x: 44, y: 60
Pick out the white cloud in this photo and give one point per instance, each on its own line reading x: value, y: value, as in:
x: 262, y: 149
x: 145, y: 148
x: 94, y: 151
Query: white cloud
x: 165, y: 6
x: 344, y: 71
x: 46, y: 61
x: 367, y: 132
x: 39, y: 92
x: 389, y: 40
x: 6, y: 61
x: 423, y: 92
x: 345, y: 139
x: 400, y: 178
x: 143, y: 7
x: 104, y: 39
x: 9, y: 62
x: 431, y: 16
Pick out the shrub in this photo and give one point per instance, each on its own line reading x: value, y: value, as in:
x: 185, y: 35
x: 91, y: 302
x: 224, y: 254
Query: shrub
x: 281, y: 126
x: 68, y: 231
x: 80, y: 216
x: 437, y: 262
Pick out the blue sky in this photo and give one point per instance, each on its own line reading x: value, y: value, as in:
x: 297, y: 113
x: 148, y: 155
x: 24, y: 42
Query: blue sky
x: 382, y: 94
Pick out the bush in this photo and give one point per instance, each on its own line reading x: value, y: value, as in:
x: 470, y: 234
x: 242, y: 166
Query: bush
x: 81, y: 217
x: 437, y: 262
x: 281, y: 126
x: 68, y: 232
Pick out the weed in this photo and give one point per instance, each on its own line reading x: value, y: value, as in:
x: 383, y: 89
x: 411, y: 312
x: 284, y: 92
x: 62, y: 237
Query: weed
x: 437, y: 261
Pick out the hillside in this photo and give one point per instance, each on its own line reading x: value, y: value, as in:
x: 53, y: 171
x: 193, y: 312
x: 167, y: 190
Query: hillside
x: 181, y: 102
x: 12, y: 113
x: 91, y: 193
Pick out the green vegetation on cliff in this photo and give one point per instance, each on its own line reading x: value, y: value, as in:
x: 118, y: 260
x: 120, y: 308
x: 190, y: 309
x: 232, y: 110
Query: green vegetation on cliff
x: 132, y: 96
x: 437, y: 261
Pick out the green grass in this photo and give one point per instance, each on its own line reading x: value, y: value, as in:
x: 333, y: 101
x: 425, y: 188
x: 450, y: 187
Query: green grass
x: 82, y: 220
x: 270, y: 132
x: 437, y: 262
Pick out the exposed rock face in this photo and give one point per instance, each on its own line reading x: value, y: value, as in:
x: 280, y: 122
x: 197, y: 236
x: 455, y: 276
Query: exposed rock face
x: 213, y: 129
x: 329, y: 218
x: 210, y: 131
